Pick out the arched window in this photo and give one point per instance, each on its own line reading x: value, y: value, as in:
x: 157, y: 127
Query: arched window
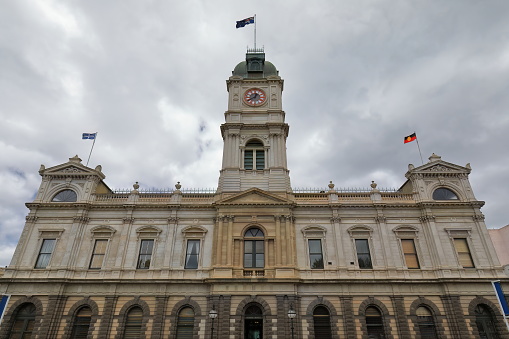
x: 426, y: 323
x: 374, y: 323
x: 24, y: 322
x: 444, y: 194
x: 485, y: 323
x: 185, y: 323
x: 254, y: 155
x: 133, y: 322
x: 81, y: 323
x: 65, y: 196
x: 321, y: 323
x: 254, y: 248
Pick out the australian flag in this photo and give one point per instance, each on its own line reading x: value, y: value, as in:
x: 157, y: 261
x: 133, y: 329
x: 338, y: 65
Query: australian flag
x: 90, y: 136
x: 244, y: 22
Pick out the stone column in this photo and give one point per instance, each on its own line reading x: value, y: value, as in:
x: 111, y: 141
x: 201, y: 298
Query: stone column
x: 229, y: 240
x: 401, y: 319
x: 107, y: 316
x: 279, y: 240
x: 219, y: 239
x: 348, y: 317
x: 455, y: 317
x: 158, y: 322
x: 53, y: 315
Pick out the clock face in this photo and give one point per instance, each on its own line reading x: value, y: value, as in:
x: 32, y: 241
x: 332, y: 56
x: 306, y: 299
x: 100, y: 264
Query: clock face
x: 255, y: 97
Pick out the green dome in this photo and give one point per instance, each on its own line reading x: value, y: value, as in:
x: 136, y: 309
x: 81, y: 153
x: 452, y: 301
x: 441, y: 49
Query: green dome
x: 268, y: 69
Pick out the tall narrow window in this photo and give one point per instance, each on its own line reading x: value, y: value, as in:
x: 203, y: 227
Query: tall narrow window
x: 45, y: 253
x: 321, y: 323
x: 410, y: 253
x: 426, y: 323
x: 23, y: 323
x: 254, y: 155
x: 254, y: 249
x: 374, y: 323
x: 192, y: 254
x: 464, y: 256
x: 147, y: 245
x: 81, y: 323
x: 185, y: 323
x: 133, y: 322
x: 315, y: 253
x: 97, y: 260
x: 363, y: 255
x: 484, y: 322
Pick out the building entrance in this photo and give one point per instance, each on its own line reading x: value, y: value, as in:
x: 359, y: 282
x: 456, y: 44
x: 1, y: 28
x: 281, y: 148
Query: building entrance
x: 253, y: 323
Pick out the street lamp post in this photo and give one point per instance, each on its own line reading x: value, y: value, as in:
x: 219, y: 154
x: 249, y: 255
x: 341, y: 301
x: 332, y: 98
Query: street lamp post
x: 292, y: 314
x: 212, y: 315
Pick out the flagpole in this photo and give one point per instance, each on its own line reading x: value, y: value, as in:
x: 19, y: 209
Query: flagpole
x: 255, y: 32
x: 418, y: 147
x: 91, y: 149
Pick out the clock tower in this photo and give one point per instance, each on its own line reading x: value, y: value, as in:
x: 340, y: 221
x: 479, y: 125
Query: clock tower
x: 254, y: 132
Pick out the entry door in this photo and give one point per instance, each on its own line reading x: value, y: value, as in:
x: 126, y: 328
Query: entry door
x: 253, y: 329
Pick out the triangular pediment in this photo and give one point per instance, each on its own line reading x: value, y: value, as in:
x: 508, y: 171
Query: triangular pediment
x: 254, y: 196
x: 436, y: 166
x: 71, y: 168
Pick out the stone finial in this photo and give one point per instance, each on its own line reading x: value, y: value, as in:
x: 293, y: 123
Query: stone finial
x: 98, y: 168
x: 178, y: 185
x: 41, y: 169
x: 373, y: 186
x: 135, y: 190
x: 75, y: 159
x: 468, y: 166
x: 434, y: 157
x: 331, y: 185
x: 411, y: 167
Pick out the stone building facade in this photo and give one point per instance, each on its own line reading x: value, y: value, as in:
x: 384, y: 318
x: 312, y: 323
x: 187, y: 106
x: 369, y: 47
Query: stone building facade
x: 410, y: 263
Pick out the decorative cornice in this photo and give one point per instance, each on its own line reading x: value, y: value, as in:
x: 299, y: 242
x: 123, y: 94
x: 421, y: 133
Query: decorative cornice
x: 380, y: 218
x: 31, y: 218
x: 478, y: 217
x: 335, y: 219
x: 128, y: 220
x: 81, y: 219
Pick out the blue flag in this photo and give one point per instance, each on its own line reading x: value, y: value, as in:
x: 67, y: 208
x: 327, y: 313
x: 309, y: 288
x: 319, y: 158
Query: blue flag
x: 244, y: 22
x: 90, y: 136
x: 4, y: 299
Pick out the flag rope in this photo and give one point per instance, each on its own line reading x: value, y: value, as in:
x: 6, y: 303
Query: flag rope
x: 91, y: 149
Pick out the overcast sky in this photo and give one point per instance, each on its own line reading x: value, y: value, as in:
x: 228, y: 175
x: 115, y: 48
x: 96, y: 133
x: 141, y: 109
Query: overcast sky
x: 149, y: 76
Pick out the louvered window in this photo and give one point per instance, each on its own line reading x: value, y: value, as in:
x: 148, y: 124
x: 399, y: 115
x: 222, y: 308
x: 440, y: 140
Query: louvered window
x: 374, y: 323
x: 426, y: 323
x: 81, y: 323
x: 133, y: 323
x: 484, y: 321
x: 185, y: 323
x: 254, y: 156
x: 321, y: 323
x: 24, y: 323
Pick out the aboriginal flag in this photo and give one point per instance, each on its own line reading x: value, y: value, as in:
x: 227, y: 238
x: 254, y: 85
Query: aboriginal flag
x: 410, y: 138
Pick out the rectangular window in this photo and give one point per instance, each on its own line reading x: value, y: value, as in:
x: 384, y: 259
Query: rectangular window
x: 98, y: 255
x: 145, y: 253
x: 192, y: 254
x: 464, y: 256
x: 363, y: 255
x: 254, y: 256
x: 315, y: 253
x: 410, y: 253
x: 45, y: 253
x: 248, y: 159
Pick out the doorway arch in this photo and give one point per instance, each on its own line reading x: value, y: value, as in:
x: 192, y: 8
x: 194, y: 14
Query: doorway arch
x: 253, y: 322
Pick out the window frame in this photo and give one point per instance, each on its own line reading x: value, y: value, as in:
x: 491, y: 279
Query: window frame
x: 259, y: 154
x: 254, y: 241
x: 94, y: 254
x: 315, y: 232
x: 76, y: 324
x: 25, y: 319
x: 49, y: 254
x: 310, y: 254
x: 188, y: 241
x: 462, y: 233
x: 458, y: 253
x: 414, y: 253
x: 367, y: 240
x: 151, y: 254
